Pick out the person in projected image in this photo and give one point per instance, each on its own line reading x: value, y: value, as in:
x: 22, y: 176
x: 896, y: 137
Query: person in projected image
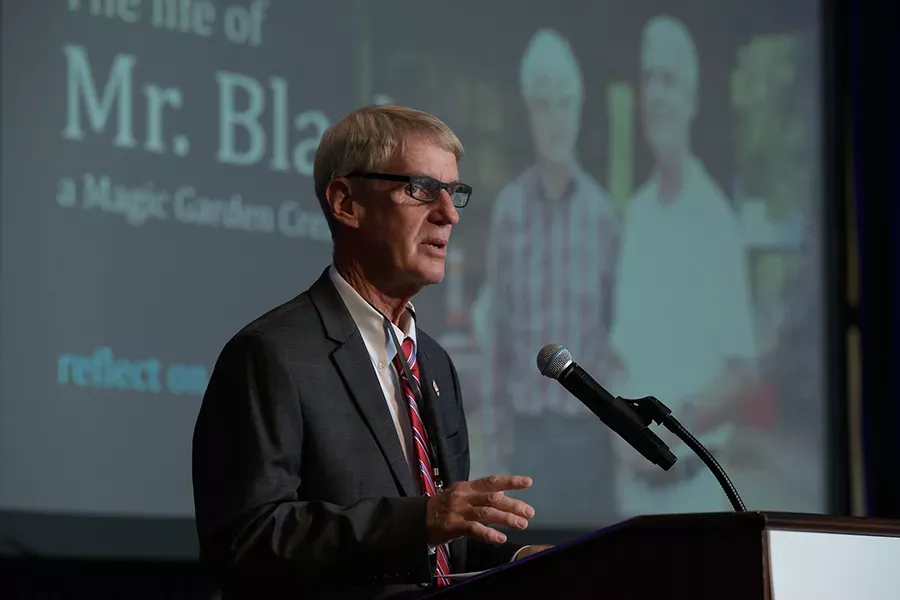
x: 551, y: 254
x: 683, y: 323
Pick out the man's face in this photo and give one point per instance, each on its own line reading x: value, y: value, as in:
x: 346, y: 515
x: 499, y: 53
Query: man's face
x: 403, y: 238
x: 555, y: 122
x: 668, y: 98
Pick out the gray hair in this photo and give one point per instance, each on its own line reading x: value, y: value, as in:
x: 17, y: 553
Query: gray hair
x: 367, y: 138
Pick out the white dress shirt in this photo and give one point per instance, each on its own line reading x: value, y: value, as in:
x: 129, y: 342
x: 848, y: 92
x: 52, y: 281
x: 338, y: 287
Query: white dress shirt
x: 683, y: 309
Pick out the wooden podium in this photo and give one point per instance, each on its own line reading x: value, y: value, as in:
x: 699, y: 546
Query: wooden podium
x: 727, y: 556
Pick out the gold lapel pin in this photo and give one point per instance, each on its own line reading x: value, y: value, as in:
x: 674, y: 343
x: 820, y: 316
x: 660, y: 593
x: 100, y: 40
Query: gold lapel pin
x: 434, y: 385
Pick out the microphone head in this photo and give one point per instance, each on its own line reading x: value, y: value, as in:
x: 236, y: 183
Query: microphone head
x: 552, y: 360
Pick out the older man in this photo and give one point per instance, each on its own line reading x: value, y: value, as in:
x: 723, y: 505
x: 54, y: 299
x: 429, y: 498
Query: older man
x: 331, y: 443
x: 683, y: 323
x: 552, y: 252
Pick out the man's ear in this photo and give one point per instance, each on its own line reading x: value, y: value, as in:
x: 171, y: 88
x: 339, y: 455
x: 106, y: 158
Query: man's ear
x: 344, y: 209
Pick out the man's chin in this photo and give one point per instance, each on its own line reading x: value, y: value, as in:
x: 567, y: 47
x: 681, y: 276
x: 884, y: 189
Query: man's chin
x: 664, y: 146
x: 557, y: 155
x: 419, y: 277
x: 430, y: 276
x: 429, y: 269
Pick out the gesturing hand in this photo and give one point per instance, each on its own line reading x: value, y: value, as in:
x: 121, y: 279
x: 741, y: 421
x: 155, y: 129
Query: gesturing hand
x: 466, y: 508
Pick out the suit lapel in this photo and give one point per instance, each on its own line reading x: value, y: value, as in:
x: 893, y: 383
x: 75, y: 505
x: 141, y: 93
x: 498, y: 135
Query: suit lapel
x: 352, y: 361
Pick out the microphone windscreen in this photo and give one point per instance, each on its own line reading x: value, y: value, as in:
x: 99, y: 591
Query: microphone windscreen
x: 552, y: 360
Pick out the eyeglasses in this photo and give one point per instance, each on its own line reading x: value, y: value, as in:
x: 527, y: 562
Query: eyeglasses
x: 424, y: 188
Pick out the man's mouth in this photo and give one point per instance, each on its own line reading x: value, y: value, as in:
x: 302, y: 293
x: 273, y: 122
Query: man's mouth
x: 440, y: 244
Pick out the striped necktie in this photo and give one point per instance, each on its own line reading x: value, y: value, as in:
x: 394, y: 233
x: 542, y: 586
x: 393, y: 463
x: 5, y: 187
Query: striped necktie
x: 422, y: 444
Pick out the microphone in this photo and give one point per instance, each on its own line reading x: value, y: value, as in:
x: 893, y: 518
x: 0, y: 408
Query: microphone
x: 555, y: 361
x: 631, y: 419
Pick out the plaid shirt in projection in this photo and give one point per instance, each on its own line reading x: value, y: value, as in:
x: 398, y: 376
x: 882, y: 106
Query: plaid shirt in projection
x: 550, y: 274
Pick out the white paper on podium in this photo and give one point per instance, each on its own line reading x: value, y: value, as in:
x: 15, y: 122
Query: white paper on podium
x: 809, y: 565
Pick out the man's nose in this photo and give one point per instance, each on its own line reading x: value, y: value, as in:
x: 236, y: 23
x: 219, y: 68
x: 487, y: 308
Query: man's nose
x: 445, y: 212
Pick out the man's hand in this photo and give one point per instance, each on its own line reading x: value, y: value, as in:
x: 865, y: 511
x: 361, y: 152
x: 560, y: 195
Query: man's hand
x: 466, y: 508
x: 722, y: 400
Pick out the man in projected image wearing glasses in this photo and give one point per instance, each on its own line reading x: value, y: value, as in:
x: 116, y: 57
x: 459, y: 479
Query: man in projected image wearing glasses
x: 331, y: 443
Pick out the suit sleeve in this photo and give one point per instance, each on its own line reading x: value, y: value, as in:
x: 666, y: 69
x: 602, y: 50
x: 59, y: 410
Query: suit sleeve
x: 247, y: 465
x: 480, y: 556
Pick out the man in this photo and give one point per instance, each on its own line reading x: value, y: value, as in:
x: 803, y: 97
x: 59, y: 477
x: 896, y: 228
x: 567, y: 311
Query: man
x: 321, y: 447
x: 683, y: 324
x: 551, y: 255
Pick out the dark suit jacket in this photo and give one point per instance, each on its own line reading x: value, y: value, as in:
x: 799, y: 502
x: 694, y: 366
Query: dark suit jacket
x: 297, y: 466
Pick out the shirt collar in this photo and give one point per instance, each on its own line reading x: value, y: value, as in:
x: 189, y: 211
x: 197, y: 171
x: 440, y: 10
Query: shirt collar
x: 370, y: 322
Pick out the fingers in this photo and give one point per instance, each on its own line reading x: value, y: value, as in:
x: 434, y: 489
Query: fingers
x: 499, y: 483
x: 502, y: 502
x: 469, y: 508
x: 492, y: 516
x: 483, y: 532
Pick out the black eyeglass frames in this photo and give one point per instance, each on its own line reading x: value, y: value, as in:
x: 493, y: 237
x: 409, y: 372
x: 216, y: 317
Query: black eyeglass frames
x: 424, y: 188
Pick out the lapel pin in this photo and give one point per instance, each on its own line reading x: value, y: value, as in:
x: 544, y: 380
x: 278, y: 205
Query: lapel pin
x: 434, y: 385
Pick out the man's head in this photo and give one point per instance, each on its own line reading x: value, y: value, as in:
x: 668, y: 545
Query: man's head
x: 670, y: 76
x: 395, y: 229
x: 552, y: 88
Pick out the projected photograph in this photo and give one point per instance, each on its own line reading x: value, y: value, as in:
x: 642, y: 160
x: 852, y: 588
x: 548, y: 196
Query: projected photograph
x: 662, y: 226
x: 647, y: 193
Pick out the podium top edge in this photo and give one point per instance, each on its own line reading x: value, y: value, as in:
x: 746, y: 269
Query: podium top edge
x: 832, y: 524
x: 762, y: 520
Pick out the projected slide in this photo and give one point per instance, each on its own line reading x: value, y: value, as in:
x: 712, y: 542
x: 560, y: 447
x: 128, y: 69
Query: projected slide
x: 647, y: 193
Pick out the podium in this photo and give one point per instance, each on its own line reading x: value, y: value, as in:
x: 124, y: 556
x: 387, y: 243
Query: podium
x: 720, y: 556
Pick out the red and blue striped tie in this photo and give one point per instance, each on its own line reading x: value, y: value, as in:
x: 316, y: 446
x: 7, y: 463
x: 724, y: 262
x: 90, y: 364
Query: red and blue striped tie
x: 420, y: 437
